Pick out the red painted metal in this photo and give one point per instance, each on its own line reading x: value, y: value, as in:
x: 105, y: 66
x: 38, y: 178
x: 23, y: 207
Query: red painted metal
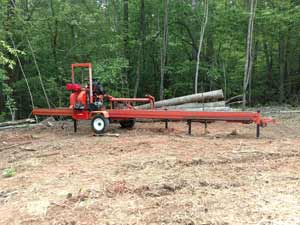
x: 84, y: 65
x: 81, y: 65
x: 131, y: 113
x: 243, y: 117
x: 87, y: 65
x: 122, y: 114
x: 81, y: 115
x: 73, y: 87
x: 53, y: 112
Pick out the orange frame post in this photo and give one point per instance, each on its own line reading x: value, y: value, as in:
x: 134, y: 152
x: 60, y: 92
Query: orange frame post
x: 84, y: 65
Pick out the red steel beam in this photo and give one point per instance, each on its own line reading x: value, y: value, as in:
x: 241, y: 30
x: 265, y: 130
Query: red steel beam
x: 185, y: 115
x: 119, y: 114
x: 81, y: 65
x: 113, y: 99
x: 53, y: 112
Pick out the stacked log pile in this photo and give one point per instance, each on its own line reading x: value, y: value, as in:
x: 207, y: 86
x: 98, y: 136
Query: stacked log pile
x: 207, y: 101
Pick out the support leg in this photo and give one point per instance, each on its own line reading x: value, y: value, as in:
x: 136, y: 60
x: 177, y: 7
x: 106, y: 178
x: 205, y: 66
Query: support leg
x: 258, y: 127
x: 205, y: 127
x: 75, y: 126
x: 190, y: 126
x: 257, y: 130
x: 166, y: 124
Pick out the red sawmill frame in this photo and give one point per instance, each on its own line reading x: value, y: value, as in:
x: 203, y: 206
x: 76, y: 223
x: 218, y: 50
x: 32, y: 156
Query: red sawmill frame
x: 129, y: 112
x: 166, y: 115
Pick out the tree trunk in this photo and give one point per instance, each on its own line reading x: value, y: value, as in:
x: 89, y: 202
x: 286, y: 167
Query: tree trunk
x: 253, y: 60
x: 200, y: 97
x: 125, y: 29
x: 194, y: 3
x: 125, y: 74
x: 205, y: 17
x: 282, y: 66
x: 11, y: 5
x: 163, y: 53
x: 24, y: 75
x: 249, y: 61
x: 287, y: 66
x: 39, y: 73
x: 193, y: 33
x: 11, y: 75
x: 140, y: 65
x: 269, y: 61
x: 54, y: 40
x: 225, y: 80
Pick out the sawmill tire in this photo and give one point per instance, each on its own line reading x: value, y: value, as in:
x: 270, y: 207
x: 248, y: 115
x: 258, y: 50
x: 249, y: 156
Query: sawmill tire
x: 99, y: 124
x: 127, y: 123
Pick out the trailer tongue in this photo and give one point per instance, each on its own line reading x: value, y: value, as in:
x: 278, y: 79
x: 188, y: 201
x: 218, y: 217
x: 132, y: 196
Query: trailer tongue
x: 88, y: 104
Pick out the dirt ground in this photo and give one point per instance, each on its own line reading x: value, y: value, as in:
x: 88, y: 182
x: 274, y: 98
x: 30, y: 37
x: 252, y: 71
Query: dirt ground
x: 150, y: 175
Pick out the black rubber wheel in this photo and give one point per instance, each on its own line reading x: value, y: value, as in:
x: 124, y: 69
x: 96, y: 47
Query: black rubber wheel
x: 127, y: 123
x: 99, y: 124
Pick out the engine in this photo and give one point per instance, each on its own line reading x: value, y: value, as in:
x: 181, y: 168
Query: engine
x: 79, y: 98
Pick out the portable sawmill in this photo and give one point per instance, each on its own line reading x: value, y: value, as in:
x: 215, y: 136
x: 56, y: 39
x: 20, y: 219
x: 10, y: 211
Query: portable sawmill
x: 87, y: 103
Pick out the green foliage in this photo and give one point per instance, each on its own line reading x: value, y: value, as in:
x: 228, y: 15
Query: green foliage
x: 9, y: 172
x: 109, y: 72
x: 65, y: 32
x: 7, y: 91
x: 4, y: 60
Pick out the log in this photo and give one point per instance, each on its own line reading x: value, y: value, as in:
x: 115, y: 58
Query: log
x: 20, y: 126
x: 17, y: 122
x: 197, y: 105
x: 283, y: 112
x: 211, y: 109
x: 200, y: 97
x: 235, y: 103
x: 215, y: 109
x: 234, y: 98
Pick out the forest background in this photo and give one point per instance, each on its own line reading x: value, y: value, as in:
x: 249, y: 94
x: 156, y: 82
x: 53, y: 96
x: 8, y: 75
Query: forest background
x: 165, y: 48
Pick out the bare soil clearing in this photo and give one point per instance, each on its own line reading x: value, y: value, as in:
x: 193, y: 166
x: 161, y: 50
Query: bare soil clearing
x: 150, y: 175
